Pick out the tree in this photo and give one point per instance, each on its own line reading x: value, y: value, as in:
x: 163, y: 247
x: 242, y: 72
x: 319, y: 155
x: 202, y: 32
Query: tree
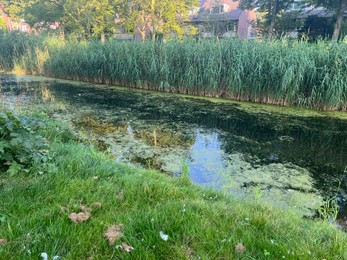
x: 2, y: 19
x: 81, y: 18
x: 2, y: 23
x: 338, y: 7
x: 157, y: 16
x: 104, y: 16
x: 272, y: 9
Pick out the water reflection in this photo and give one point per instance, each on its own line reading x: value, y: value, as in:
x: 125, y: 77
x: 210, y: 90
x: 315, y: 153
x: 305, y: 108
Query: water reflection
x: 205, y: 160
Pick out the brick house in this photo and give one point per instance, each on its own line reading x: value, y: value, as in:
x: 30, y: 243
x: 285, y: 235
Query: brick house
x: 21, y: 25
x: 223, y: 18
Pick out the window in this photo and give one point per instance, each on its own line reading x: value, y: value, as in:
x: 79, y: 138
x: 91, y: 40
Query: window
x: 217, y: 9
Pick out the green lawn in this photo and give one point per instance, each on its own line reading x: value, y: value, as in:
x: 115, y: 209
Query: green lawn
x: 200, y: 224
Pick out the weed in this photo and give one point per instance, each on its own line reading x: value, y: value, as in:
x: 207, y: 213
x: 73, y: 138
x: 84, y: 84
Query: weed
x: 257, y: 193
x: 329, y: 210
x: 21, y: 148
x: 185, y: 172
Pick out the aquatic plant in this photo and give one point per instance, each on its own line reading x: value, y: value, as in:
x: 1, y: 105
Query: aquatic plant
x: 278, y: 72
x: 329, y: 210
x: 185, y: 172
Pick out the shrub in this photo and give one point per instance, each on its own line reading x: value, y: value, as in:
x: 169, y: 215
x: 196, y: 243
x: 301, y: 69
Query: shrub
x: 21, y: 148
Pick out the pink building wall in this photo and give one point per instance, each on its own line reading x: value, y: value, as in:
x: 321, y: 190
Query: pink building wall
x: 11, y: 25
x: 244, y: 26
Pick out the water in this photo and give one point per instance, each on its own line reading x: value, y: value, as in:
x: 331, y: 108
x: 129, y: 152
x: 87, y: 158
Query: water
x: 289, y: 161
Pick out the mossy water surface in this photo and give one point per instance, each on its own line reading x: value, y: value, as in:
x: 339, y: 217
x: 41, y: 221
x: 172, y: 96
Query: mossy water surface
x: 291, y: 157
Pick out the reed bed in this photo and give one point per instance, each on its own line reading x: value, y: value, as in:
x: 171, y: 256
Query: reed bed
x: 278, y: 72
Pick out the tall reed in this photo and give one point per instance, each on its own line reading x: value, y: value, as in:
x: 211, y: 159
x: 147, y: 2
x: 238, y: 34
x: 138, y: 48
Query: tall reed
x: 279, y: 72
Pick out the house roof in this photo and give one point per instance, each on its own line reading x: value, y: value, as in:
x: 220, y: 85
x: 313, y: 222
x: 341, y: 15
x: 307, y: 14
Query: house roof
x: 319, y: 11
x: 231, y: 11
x: 234, y: 15
x: 230, y: 4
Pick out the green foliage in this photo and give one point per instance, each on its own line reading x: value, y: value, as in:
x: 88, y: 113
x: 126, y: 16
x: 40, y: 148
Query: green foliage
x: 185, y: 172
x: 20, y: 147
x: 83, y: 19
x: 80, y: 18
x: 14, y: 47
x: 277, y: 72
x: 329, y: 210
x: 2, y: 23
x: 159, y: 16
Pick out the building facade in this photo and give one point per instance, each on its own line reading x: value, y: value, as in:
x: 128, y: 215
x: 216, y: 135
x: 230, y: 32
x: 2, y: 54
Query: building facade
x: 223, y: 18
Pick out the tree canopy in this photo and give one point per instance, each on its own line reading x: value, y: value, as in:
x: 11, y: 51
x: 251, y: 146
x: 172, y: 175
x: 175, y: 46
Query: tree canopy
x: 156, y: 16
x: 2, y: 23
x: 85, y: 18
x: 78, y: 17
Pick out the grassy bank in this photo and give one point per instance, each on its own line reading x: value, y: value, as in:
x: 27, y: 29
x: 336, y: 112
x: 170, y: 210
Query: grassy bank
x: 36, y: 206
x: 279, y: 72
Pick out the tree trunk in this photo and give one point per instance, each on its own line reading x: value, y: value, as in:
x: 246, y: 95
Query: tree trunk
x: 103, y: 37
x: 339, y: 20
x: 271, y: 28
x: 143, y: 34
x: 62, y: 34
x: 153, y: 21
x: 272, y: 12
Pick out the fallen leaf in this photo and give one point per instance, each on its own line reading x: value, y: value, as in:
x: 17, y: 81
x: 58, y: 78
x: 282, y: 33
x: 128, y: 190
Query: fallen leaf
x: 190, y: 252
x: 3, y: 242
x: 85, y: 209
x: 240, y: 248
x: 127, y: 247
x: 163, y: 236
x: 79, y: 217
x: 97, y: 204
x: 63, y: 209
x: 113, y: 234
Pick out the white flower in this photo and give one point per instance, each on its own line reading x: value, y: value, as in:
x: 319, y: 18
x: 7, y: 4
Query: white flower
x: 44, y: 256
x: 163, y: 236
x: 56, y: 257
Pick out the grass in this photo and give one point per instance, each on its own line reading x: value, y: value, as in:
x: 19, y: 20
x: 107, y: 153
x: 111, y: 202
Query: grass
x: 201, y: 224
x: 280, y: 72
